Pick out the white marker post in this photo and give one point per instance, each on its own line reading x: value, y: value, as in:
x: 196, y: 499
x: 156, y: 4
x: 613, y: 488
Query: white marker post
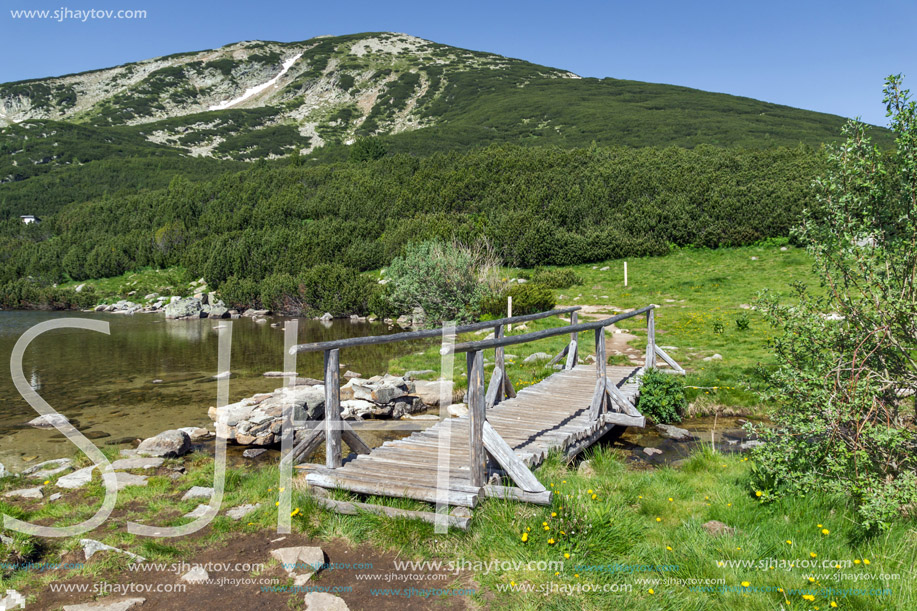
x: 509, y: 311
x: 625, y: 273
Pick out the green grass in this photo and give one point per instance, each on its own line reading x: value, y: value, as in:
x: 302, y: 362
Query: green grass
x: 694, y: 289
x: 647, y: 518
x: 165, y: 282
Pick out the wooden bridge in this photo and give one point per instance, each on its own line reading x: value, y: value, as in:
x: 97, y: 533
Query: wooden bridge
x: 459, y: 461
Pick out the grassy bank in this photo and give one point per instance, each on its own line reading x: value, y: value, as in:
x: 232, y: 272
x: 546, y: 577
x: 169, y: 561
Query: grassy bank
x: 701, y: 295
x: 637, y: 534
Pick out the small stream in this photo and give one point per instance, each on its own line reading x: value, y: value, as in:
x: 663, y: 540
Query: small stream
x: 725, y: 434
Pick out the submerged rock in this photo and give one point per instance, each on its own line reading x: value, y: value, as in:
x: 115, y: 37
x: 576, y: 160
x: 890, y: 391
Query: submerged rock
x: 49, y: 421
x: 673, y: 432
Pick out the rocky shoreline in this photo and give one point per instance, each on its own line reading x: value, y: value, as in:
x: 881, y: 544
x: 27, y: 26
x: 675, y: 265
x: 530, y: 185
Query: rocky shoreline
x: 258, y: 420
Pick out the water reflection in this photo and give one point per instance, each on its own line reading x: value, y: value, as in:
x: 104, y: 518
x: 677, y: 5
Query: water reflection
x: 106, y: 382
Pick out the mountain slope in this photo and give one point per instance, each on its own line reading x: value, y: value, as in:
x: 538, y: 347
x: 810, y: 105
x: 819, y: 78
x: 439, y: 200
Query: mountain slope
x: 254, y: 99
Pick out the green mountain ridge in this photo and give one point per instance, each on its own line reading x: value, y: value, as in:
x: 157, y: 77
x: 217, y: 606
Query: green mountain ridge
x: 331, y: 90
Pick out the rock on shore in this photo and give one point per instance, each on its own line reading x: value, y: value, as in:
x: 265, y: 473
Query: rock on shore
x: 257, y: 420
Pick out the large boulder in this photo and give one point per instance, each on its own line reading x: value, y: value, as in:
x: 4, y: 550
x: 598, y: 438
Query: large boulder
x: 168, y: 444
x: 431, y: 392
x: 184, y: 308
x: 217, y: 311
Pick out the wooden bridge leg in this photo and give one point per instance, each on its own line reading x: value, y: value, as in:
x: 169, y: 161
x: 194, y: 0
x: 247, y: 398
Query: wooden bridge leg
x: 504, y: 455
x: 332, y: 409
x: 476, y: 416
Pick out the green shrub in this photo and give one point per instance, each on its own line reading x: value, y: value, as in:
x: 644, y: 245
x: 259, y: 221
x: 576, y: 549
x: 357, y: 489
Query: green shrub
x: 448, y: 280
x: 528, y: 298
x: 367, y: 149
x: 241, y: 293
x: 336, y: 289
x: 380, y: 302
x: 556, y: 278
x: 662, y: 397
x: 742, y: 322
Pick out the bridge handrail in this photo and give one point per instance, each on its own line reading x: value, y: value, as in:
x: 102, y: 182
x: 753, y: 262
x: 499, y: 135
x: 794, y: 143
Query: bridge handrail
x: 509, y: 340
x: 337, y: 344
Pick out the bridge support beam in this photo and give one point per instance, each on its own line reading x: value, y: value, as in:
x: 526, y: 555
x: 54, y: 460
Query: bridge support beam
x: 477, y: 405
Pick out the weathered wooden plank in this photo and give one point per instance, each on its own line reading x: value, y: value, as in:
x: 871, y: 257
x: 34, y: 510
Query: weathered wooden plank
x: 572, y: 353
x: 650, y: 340
x: 625, y: 420
x: 353, y: 440
x: 621, y: 399
x: 309, y: 443
x: 505, y: 456
x: 476, y: 415
x: 601, y: 359
x: 352, y: 508
x: 495, y: 388
x: 517, y: 494
x: 336, y: 474
x: 332, y: 409
x: 598, y: 398
x: 559, y: 355
x: 665, y: 357
x: 420, y: 493
x: 500, y: 361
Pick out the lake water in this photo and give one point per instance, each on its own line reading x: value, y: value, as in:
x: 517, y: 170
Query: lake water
x: 104, y: 383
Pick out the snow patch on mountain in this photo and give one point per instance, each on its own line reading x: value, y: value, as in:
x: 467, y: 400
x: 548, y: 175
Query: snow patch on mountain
x: 253, y: 91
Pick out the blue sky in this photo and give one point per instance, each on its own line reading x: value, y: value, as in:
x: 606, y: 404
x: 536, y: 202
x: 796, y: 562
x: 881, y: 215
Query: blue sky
x: 826, y: 56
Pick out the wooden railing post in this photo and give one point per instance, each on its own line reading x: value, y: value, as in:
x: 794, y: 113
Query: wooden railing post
x: 601, y: 361
x: 599, y: 396
x: 476, y: 415
x: 573, y: 349
x: 332, y: 409
x: 650, y: 341
x: 500, y: 362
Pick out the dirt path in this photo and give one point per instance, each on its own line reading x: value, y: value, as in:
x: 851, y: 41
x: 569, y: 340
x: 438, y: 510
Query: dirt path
x: 616, y: 340
x: 365, y: 577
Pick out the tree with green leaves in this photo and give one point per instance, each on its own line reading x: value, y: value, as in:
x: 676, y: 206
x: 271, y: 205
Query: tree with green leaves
x: 847, y: 375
